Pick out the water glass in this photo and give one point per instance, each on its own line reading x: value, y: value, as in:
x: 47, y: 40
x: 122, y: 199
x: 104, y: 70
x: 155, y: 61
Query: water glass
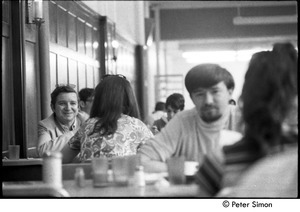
x: 99, y: 171
x: 120, y: 168
x: 176, y: 170
x: 14, y: 152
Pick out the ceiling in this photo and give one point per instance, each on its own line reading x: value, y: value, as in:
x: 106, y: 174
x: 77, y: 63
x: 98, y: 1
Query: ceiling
x: 192, y: 25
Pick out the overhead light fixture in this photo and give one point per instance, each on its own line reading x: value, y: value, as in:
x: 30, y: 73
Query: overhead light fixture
x: 259, y: 20
x: 34, y: 12
x: 220, y: 56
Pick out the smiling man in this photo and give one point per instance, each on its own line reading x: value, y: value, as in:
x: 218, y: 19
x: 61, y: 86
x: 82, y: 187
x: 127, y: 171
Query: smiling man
x: 195, y: 133
x: 55, y: 131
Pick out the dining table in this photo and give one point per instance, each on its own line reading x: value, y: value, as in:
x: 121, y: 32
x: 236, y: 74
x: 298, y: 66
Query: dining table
x: 87, y: 190
x: 149, y: 190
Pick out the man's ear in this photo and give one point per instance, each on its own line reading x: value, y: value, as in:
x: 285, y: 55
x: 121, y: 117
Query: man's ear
x: 191, y: 96
x: 81, y: 104
x: 52, y: 107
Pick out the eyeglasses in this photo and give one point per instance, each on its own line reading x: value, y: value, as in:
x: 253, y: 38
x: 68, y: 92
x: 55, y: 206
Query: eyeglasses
x: 117, y: 75
x: 65, y: 85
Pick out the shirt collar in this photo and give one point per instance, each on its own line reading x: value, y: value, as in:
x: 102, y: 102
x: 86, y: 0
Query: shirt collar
x: 66, y: 128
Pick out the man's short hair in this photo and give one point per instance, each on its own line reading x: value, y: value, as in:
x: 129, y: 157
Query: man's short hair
x: 176, y: 101
x: 61, y: 89
x: 207, y: 75
x: 160, y: 106
x: 85, y: 93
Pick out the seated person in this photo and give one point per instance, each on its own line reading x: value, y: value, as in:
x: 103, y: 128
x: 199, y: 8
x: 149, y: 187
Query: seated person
x: 55, y: 131
x: 268, y: 151
x: 174, y: 104
x: 86, y: 97
x: 114, y: 127
x: 196, y: 132
x: 159, y: 111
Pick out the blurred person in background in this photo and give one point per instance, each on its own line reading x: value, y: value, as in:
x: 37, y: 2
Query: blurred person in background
x: 114, y: 127
x: 86, y: 97
x: 174, y: 104
x: 159, y: 111
x: 196, y: 132
x: 55, y: 131
x: 269, y: 149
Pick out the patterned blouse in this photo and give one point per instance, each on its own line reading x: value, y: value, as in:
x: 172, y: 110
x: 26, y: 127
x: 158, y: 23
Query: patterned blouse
x: 130, y: 134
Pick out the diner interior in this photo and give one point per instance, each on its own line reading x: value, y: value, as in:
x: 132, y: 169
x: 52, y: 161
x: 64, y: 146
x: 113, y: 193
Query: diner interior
x: 153, y: 44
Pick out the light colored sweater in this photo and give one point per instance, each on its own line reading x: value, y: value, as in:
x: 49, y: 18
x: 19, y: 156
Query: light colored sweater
x: 187, y: 135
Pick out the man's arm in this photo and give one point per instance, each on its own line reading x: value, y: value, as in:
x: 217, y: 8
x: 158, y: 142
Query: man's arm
x: 69, y: 154
x: 153, y: 166
x: 162, y: 146
x: 46, y: 142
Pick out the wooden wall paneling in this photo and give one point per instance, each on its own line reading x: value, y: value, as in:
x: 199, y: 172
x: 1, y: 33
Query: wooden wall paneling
x: 81, y: 76
x: 62, y: 27
x: 53, y: 22
x: 96, y: 76
x: 7, y: 97
x: 89, y: 76
x: 62, y: 70
x: 73, y: 76
x: 80, y: 36
x: 5, y: 11
x: 88, y: 40
x: 6, y: 82
x: 95, y: 43
x: 18, y: 72
x: 32, y: 94
x: 53, y: 70
x: 72, y: 32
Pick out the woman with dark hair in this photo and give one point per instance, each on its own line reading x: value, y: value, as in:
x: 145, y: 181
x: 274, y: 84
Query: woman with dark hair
x: 269, y: 146
x: 114, y: 128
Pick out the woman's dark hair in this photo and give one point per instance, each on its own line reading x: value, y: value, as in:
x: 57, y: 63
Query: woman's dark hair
x: 176, y: 101
x: 113, y: 96
x: 267, y: 95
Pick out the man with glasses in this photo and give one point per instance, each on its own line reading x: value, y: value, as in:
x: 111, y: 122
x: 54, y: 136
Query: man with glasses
x: 55, y: 131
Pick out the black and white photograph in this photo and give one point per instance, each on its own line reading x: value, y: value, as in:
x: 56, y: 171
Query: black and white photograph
x: 175, y: 102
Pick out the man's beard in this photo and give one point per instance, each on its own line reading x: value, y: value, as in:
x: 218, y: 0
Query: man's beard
x: 210, y: 114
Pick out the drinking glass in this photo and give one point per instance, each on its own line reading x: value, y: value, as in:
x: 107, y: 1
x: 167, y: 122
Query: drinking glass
x: 14, y: 152
x: 120, y: 167
x: 100, y: 170
x: 176, y: 170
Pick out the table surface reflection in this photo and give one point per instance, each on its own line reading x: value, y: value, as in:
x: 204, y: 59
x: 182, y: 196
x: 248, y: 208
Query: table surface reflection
x: 88, y: 190
x: 191, y: 190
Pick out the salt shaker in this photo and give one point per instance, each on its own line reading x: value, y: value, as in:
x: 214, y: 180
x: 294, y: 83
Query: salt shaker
x: 52, y: 168
x: 79, y: 177
x: 139, y: 176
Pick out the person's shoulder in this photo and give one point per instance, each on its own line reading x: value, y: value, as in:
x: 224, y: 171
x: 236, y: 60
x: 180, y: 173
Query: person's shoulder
x: 161, y: 120
x: 82, y: 116
x: 187, y: 114
x: 48, y: 122
x: 229, y: 137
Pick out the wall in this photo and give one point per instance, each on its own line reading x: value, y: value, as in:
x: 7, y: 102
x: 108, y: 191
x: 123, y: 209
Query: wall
x: 128, y: 16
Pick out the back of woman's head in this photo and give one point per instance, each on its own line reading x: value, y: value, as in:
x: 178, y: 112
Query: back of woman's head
x: 268, y: 92
x: 113, y: 96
